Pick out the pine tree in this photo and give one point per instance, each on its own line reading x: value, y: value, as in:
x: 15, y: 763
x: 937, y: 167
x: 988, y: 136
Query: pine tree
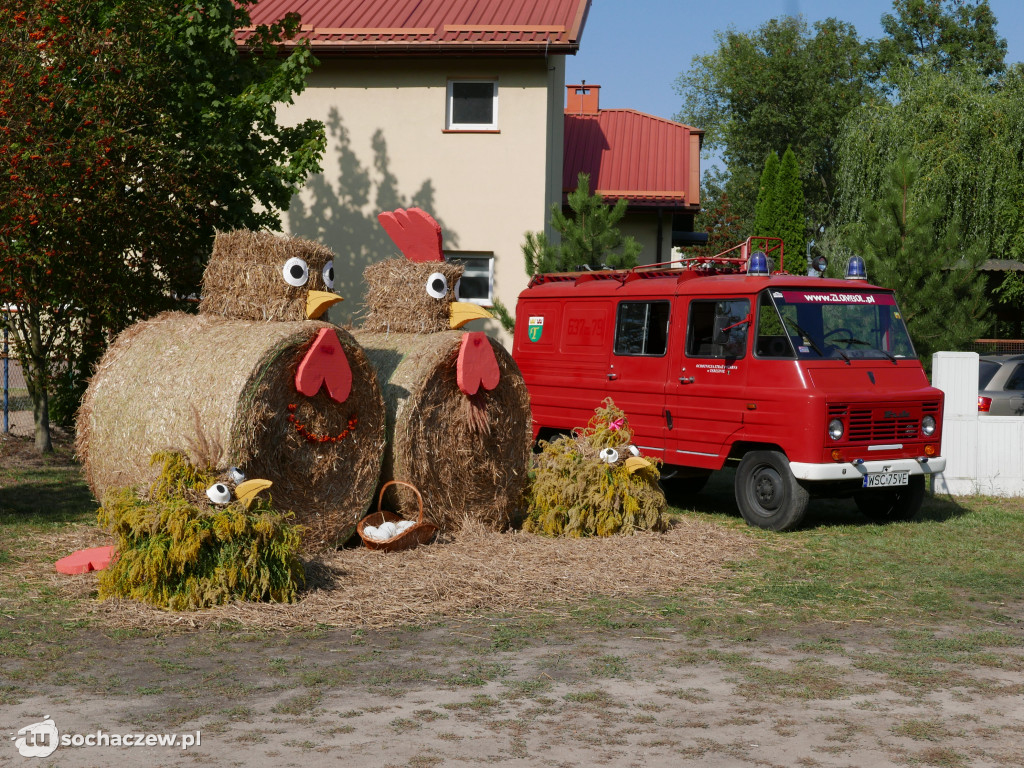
x: 936, y: 279
x: 790, y: 216
x: 590, y: 236
x: 764, y: 210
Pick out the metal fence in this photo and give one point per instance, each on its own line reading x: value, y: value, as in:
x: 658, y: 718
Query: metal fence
x: 998, y: 346
x: 17, y: 405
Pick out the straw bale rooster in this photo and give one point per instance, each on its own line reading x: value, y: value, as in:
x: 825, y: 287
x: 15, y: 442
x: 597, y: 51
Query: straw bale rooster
x: 279, y: 394
x: 458, y: 411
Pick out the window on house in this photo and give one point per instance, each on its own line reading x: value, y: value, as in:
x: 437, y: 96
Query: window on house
x: 477, y: 282
x: 642, y: 328
x: 472, y: 105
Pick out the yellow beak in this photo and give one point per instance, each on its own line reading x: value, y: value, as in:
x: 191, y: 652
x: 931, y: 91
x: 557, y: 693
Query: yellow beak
x: 633, y: 463
x: 317, y: 303
x: 462, y: 312
x: 246, y: 492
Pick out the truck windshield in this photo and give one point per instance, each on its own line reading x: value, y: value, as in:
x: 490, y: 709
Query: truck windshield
x: 818, y: 324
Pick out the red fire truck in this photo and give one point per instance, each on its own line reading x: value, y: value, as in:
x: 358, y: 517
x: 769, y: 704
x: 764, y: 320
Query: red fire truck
x: 807, y: 385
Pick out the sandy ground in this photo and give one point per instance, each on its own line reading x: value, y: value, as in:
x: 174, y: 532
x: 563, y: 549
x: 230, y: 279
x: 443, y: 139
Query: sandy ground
x: 446, y: 697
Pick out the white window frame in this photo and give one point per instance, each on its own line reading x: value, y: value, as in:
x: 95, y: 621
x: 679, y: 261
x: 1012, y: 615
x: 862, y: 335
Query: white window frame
x: 464, y: 256
x: 449, y: 122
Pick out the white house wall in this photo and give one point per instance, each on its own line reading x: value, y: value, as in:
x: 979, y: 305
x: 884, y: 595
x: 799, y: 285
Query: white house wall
x: 387, y: 147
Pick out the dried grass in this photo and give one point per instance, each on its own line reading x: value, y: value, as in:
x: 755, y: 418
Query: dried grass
x: 434, y: 444
x: 474, y: 571
x: 397, y: 300
x: 244, y: 278
x: 166, y: 379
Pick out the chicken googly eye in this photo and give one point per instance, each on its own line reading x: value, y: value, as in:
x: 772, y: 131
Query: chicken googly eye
x: 634, y: 450
x: 237, y: 476
x: 329, y: 274
x: 437, y: 285
x: 219, y: 493
x: 296, y: 272
x: 608, y: 455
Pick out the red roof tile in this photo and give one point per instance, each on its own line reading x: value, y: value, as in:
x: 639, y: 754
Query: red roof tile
x: 424, y: 26
x: 647, y: 160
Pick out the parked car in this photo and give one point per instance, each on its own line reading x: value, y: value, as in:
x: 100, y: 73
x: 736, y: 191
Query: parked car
x: 1001, y: 385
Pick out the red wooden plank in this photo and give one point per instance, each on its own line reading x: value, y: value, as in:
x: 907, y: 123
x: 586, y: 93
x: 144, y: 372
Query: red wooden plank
x: 325, y: 364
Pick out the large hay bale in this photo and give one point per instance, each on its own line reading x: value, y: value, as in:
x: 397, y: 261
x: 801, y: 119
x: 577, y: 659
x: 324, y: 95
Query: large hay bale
x: 225, y: 388
x: 436, y: 441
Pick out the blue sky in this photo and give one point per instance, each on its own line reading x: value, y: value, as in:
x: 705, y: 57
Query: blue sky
x: 635, y: 49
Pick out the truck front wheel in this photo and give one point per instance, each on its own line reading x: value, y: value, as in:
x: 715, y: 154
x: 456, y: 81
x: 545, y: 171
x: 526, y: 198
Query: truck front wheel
x: 767, y: 493
x: 888, y: 505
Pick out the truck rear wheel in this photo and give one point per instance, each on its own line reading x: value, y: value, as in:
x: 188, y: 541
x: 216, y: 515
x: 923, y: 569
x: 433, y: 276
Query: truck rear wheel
x: 767, y: 493
x: 887, y: 505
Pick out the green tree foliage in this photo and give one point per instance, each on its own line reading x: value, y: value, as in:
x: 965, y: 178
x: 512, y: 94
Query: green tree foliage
x: 717, y: 218
x: 939, y: 35
x: 940, y: 291
x: 784, y: 84
x: 790, y: 219
x: 590, y: 236
x: 128, y: 133
x: 764, y: 210
x: 967, y: 136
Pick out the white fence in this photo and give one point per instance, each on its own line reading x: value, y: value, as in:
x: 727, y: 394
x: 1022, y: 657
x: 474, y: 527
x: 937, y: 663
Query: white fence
x: 984, y: 454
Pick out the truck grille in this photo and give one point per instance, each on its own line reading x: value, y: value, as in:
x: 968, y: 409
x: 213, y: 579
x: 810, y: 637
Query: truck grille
x: 883, y: 423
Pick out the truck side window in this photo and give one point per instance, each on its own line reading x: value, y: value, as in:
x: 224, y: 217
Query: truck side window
x: 642, y: 328
x: 718, y: 328
x: 772, y: 338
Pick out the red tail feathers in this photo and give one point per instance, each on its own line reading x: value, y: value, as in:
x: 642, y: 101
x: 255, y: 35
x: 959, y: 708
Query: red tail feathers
x: 415, y: 233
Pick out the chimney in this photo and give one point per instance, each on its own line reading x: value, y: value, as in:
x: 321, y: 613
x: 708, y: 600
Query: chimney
x: 582, y: 99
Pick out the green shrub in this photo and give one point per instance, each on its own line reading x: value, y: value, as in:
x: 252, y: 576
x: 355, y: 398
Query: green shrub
x: 575, y: 493
x: 179, y: 551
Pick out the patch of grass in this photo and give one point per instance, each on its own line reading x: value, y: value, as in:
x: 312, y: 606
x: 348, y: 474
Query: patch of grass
x: 302, y: 704
x: 479, y: 702
x: 942, y: 757
x: 923, y: 730
x: 476, y: 673
x: 610, y: 666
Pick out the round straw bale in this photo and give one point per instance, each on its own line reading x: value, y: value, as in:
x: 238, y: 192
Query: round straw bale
x: 464, y: 466
x: 223, y: 392
x: 397, y: 300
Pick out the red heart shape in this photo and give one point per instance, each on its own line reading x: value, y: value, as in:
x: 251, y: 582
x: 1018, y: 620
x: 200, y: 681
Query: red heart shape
x: 325, y: 364
x: 477, y: 364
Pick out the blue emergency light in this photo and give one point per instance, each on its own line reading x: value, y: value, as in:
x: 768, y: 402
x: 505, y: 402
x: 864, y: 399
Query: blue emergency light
x: 758, y: 264
x: 855, y: 269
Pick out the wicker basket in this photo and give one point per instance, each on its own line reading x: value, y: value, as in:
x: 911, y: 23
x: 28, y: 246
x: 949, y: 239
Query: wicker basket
x: 420, y: 533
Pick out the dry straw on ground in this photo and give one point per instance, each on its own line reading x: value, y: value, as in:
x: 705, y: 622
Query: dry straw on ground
x: 244, y: 278
x: 436, y: 444
x: 475, y: 571
x: 397, y: 300
x: 180, y: 381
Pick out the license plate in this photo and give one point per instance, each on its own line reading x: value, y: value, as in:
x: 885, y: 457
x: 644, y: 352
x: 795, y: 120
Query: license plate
x: 885, y: 479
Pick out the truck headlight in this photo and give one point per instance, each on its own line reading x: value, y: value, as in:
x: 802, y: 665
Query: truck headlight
x: 928, y: 425
x: 836, y: 429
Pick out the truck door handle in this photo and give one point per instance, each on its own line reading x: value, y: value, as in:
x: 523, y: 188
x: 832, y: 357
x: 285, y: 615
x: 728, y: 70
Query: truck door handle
x: 668, y: 418
x: 686, y: 380
x: 612, y: 376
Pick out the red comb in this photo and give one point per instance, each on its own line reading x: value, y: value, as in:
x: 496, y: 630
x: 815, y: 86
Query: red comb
x: 415, y: 233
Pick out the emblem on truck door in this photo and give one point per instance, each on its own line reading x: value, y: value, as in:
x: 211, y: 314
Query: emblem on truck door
x: 535, y: 328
